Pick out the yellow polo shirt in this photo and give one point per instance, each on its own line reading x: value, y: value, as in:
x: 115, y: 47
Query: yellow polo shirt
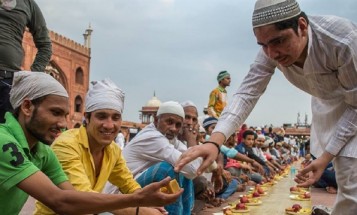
x: 72, y: 150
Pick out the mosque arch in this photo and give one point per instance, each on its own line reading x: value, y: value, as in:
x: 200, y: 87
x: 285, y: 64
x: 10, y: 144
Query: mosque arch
x: 79, y: 76
x: 55, y: 71
x: 78, y: 104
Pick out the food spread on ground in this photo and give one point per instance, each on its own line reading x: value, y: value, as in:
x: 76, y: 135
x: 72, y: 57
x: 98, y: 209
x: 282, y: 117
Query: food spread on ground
x: 297, y: 209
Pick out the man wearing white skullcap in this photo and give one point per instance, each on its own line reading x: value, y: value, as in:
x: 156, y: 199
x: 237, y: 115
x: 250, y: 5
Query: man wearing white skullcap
x: 89, y: 156
x: 104, y: 95
x: 41, y: 107
x: 151, y: 154
x: 189, y: 131
x: 33, y: 86
x: 317, y: 54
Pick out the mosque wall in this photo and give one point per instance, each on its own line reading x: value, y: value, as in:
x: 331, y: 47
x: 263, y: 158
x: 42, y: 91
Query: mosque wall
x: 70, y: 65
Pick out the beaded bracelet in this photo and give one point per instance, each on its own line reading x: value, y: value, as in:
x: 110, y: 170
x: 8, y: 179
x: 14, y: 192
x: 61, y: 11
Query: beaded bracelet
x: 214, y: 143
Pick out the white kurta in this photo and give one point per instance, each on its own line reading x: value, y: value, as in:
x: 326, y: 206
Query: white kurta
x: 150, y: 147
x: 329, y: 75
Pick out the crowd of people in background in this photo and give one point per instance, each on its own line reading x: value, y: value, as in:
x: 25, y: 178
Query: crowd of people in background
x: 67, y: 170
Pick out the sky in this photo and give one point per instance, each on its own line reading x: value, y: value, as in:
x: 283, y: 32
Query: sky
x: 176, y: 48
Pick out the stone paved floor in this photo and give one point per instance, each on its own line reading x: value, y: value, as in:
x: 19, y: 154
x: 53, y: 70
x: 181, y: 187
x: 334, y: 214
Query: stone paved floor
x: 319, y: 197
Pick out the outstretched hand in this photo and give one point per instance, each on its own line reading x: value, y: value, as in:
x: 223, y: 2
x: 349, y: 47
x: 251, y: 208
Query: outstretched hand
x: 208, y: 152
x: 151, y: 195
x: 312, y: 173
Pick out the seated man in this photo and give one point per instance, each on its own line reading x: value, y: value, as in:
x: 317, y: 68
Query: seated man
x: 233, y: 155
x: 262, y: 146
x: 202, y: 186
x: 89, y: 156
x: 151, y: 154
x: 245, y: 147
x: 239, y: 169
x: 31, y: 167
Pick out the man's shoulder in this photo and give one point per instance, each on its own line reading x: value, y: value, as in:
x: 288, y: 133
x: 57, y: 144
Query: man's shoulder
x: 6, y: 136
x: 332, y: 27
x: 71, y: 135
x: 240, y: 147
x: 216, y: 90
x: 149, y: 132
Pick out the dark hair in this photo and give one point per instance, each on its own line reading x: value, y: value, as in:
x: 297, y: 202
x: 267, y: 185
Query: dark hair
x: 248, y: 132
x: 86, y: 115
x: 291, y: 23
x: 35, y: 102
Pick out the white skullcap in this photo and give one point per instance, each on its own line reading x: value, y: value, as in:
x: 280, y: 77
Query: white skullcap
x: 104, y: 95
x: 261, y: 136
x: 272, y: 11
x: 258, y: 129
x: 267, y: 142
x: 172, y: 108
x: 188, y: 103
x: 33, y: 85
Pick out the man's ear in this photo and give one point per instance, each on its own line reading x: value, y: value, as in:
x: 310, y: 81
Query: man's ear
x: 27, y: 107
x: 156, y: 120
x: 303, y: 26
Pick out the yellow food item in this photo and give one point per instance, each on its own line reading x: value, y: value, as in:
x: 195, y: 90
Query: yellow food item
x: 172, y: 187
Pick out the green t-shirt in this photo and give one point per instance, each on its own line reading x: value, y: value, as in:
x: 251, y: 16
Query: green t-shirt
x: 17, y: 163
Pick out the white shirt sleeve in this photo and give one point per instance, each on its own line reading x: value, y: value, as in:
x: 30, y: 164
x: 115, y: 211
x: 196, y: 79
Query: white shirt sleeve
x: 246, y: 97
x: 347, y: 75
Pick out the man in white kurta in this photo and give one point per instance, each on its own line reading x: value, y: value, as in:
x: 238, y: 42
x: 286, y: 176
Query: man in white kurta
x: 151, y: 154
x: 317, y: 54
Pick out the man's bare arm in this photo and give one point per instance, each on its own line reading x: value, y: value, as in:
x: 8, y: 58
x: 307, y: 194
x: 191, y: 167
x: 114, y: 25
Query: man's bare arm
x: 61, y: 201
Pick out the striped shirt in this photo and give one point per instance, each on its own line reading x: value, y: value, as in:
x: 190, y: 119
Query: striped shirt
x: 329, y: 75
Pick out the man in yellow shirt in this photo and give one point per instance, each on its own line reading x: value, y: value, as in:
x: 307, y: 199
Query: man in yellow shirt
x: 218, y: 96
x: 89, y: 155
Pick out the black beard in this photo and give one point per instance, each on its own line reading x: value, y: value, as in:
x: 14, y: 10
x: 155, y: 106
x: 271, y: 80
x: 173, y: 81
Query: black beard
x: 33, y: 123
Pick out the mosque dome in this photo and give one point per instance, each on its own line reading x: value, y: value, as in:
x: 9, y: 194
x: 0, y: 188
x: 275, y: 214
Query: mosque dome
x: 153, y: 102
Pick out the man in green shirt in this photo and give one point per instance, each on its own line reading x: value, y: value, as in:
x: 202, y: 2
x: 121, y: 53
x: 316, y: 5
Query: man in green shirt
x: 29, y: 167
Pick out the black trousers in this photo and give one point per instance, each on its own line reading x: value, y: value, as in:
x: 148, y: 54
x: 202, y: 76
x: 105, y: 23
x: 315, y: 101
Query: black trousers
x: 5, y: 105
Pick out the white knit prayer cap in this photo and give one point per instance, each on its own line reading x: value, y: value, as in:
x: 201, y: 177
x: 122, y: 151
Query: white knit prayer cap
x: 268, y: 141
x: 171, y: 107
x: 104, y: 95
x: 272, y: 11
x: 33, y: 85
x: 261, y: 136
x: 188, y: 103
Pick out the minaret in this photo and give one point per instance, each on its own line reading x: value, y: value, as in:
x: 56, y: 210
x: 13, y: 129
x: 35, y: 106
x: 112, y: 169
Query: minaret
x: 87, y: 36
x: 306, y: 120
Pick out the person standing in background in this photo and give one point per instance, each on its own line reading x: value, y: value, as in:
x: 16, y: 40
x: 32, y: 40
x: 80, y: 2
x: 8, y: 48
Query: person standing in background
x: 15, y: 17
x: 218, y: 96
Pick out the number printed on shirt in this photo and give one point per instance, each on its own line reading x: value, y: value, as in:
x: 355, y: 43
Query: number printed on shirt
x: 19, y: 159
